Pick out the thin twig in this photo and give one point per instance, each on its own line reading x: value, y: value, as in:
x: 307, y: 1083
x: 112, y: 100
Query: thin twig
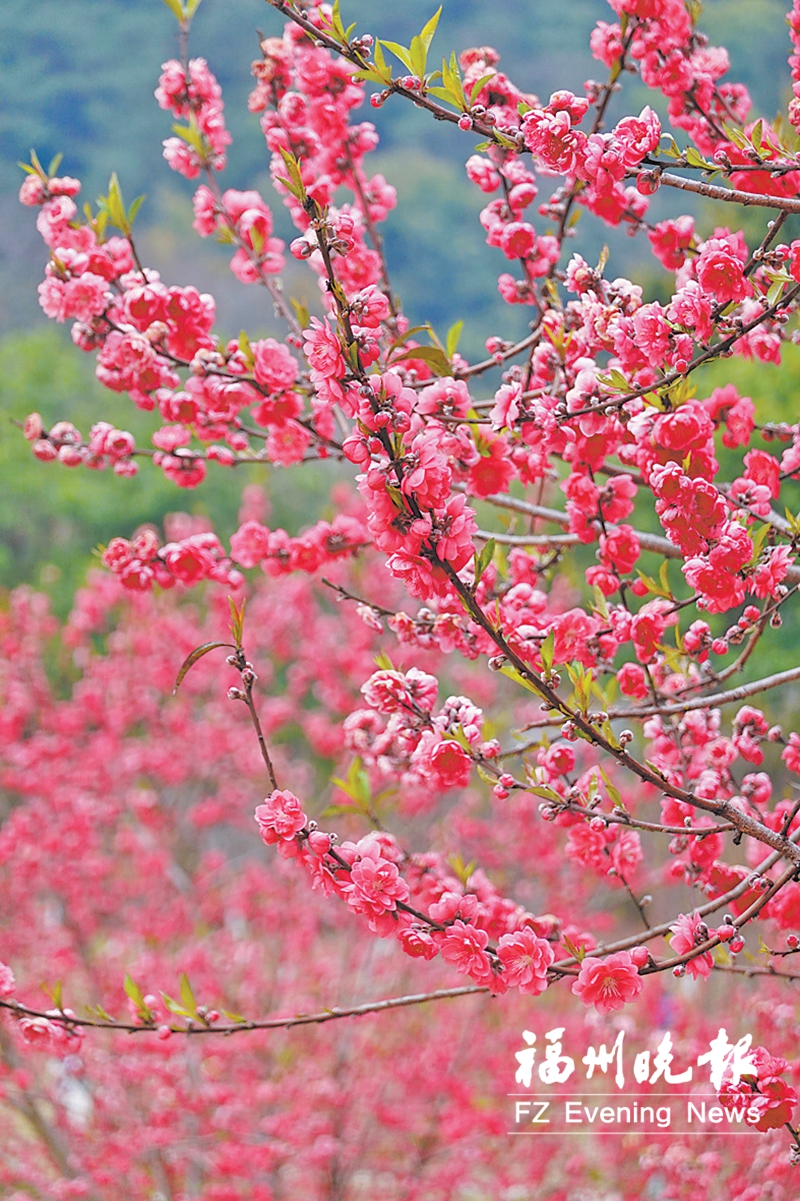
x: 278, y: 1023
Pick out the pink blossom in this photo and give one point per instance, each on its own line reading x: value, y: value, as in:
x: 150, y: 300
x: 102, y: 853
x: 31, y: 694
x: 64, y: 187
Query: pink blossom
x: 671, y: 240
x: 552, y: 140
x: 274, y: 367
x: 720, y: 271
x: 323, y: 350
x: 791, y: 753
x: 7, y: 982
x: 687, y: 931
x: 418, y: 943
x: 770, y: 572
x: 639, y: 136
x: 376, y: 886
x: 525, y: 959
x: 451, y: 764
x: 573, y: 631
x: 632, y: 681
x: 33, y: 191
x: 393, y: 691
x: 463, y: 946
x: 608, y: 983
x: 250, y: 543
x: 205, y: 211
x: 280, y: 818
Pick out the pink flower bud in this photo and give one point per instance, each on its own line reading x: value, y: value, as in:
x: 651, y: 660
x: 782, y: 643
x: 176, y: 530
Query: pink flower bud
x: 301, y: 248
x: 44, y: 450
x: 640, y: 956
x: 33, y: 428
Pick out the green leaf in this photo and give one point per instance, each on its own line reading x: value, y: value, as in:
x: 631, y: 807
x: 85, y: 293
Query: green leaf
x: 436, y: 359
x: 576, y: 952
x: 356, y: 786
x: 615, y: 380
x: 195, y: 656
x: 451, y: 78
x: 429, y: 29
x: 548, y: 794
x: 246, y: 349
x: 133, y: 991
x: 518, y: 678
x: 462, y: 870
x: 419, y: 57
x: 695, y: 159
x: 37, y: 166
x: 614, y: 793
x: 295, y: 181
x: 97, y: 1011
x: 736, y: 136
x: 400, y: 52
x: 479, y: 85
x: 440, y: 93
x: 457, y: 735
x: 192, y: 7
x: 671, y: 149
x: 453, y: 336
x: 409, y: 333
x: 380, y: 64
x: 350, y: 352
x: 600, y: 602
x: 233, y: 1017
x: 774, y: 293
x: 55, y: 163
x: 652, y: 585
x: 57, y: 995
x: 191, y: 135
x: 237, y: 620
x: 175, y: 1007
x: 301, y: 313
x: 546, y: 650
x: 187, y: 995
x: 383, y: 662
x: 115, y: 204
x: 336, y: 21
x: 758, y: 542
x: 336, y: 810
x: 176, y: 8
x: 369, y: 74
x: 583, y: 688
x: 756, y: 135
x: 483, y: 559
x: 134, y: 209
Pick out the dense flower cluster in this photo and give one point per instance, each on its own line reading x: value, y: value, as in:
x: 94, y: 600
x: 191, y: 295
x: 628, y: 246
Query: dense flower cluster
x: 481, y: 831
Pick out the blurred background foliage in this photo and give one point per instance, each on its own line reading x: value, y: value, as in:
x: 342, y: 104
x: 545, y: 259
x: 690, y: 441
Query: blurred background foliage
x: 78, y: 75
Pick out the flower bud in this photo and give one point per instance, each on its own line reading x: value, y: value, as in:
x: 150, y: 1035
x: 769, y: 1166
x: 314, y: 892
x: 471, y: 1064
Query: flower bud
x: 33, y: 428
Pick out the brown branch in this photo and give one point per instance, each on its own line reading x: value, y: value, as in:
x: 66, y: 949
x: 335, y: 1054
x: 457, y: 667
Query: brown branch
x: 303, y: 1019
x: 712, y: 191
